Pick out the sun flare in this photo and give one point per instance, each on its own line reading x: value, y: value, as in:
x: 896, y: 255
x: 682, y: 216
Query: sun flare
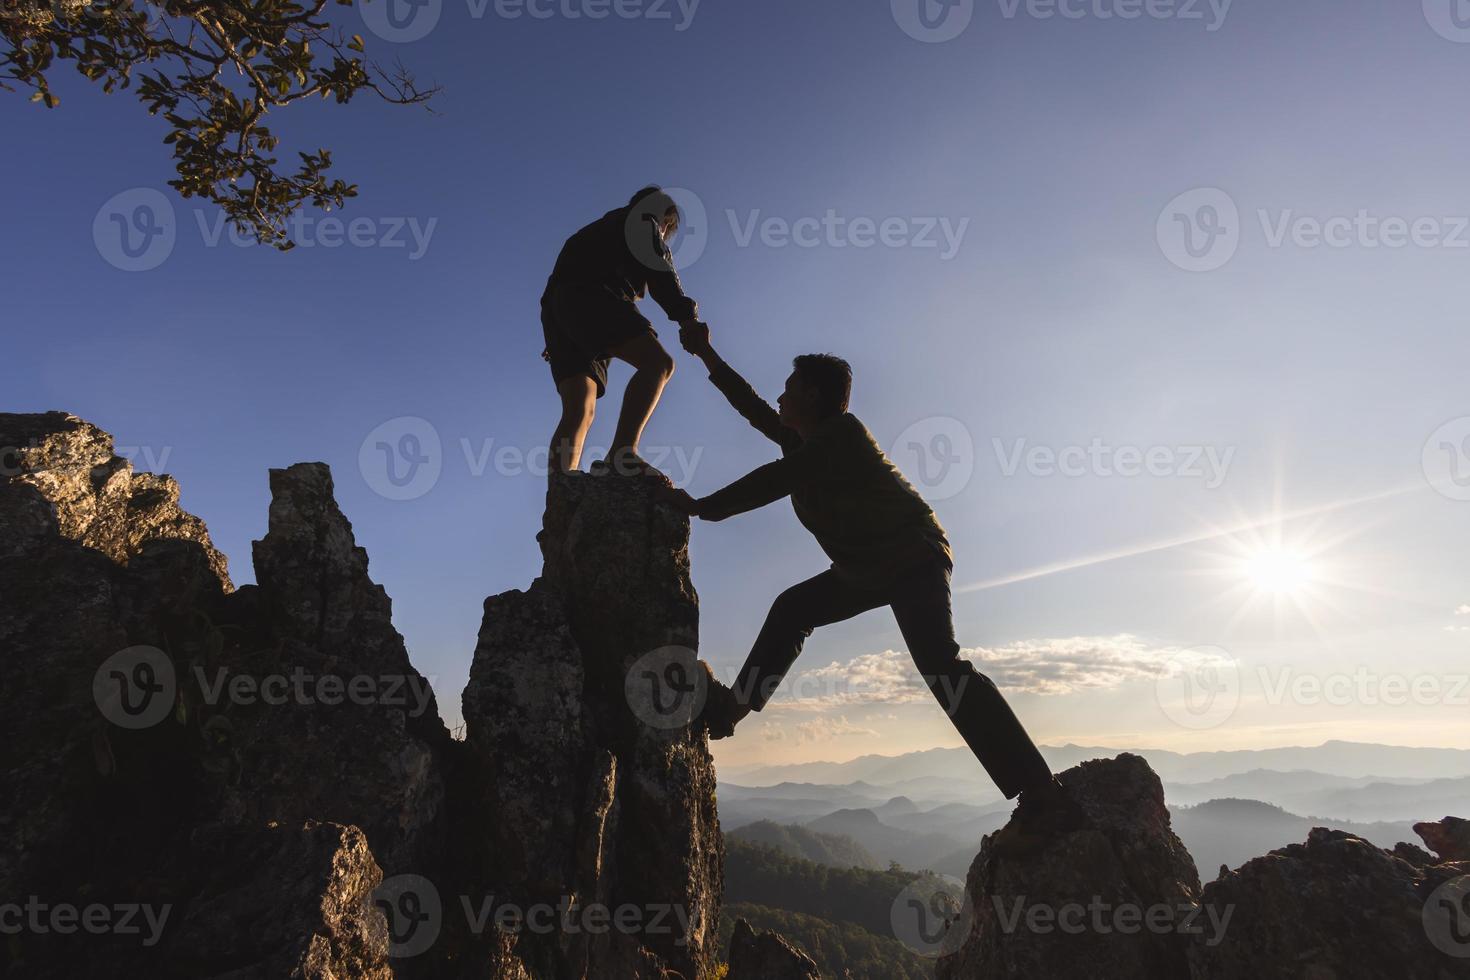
x: 1278, y: 571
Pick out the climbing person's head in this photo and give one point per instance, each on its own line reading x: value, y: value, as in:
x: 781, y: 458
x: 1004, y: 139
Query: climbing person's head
x: 819, y: 387
x: 655, y: 203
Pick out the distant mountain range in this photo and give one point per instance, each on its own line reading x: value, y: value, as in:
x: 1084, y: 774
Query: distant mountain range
x: 929, y: 809
x: 951, y: 766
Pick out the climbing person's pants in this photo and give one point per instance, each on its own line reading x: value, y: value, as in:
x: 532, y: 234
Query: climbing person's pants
x: 920, y: 600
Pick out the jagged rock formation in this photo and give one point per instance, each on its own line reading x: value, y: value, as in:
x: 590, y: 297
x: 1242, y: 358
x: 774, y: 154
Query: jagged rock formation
x: 1449, y: 838
x: 262, y: 776
x: 767, y: 956
x: 1024, y: 907
x: 546, y: 709
x: 1334, y: 908
x: 1338, y: 907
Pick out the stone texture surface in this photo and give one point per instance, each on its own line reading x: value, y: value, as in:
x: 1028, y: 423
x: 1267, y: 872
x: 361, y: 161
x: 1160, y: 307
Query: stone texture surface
x: 285, y: 902
x: 767, y: 956
x: 263, y: 825
x: 1333, y: 908
x: 1449, y: 838
x: 545, y: 710
x: 1126, y: 856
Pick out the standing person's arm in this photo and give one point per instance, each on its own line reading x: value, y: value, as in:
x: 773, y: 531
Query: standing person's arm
x: 737, y: 391
x: 663, y: 279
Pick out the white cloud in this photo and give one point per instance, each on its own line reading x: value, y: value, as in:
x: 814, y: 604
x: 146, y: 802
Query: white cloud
x: 1054, y: 666
x: 1463, y: 610
x: 817, y: 730
x: 826, y: 729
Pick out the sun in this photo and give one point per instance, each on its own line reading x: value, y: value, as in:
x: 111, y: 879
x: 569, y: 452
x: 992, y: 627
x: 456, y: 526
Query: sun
x: 1278, y: 571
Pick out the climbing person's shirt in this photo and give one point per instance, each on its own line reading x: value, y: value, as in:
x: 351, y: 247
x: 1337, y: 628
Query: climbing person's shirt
x: 866, y: 516
x: 623, y: 254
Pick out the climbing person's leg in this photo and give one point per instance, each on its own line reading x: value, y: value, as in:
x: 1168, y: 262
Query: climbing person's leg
x: 578, y: 407
x: 652, y: 369
x: 818, y: 601
x: 971, y: 700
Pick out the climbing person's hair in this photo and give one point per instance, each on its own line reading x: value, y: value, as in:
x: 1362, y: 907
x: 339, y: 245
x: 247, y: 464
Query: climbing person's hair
x: 830, y: 375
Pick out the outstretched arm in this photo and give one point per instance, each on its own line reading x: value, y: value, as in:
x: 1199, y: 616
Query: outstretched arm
x: 737, y: 391
x: 761, y: 486
x: 663, y: 281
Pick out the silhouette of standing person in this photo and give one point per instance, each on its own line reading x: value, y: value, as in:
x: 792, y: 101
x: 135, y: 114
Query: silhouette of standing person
x: 589, y: 316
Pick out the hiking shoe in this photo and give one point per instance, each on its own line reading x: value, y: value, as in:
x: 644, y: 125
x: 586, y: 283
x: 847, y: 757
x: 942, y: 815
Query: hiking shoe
x: 1049, y: 810
x: 628, y: 463
x: 718, y: 714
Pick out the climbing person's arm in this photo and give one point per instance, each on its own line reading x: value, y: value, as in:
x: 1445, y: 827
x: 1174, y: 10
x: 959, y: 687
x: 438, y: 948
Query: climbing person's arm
x: 737, y: 391
x: 761, y: 486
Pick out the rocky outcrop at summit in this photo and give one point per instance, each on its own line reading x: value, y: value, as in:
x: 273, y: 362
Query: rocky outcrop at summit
x: 1022, y: 907
x: 259, y: 779
x: 767, y: 956
x: 552, y: 710
x: 1337, y: 906
x: 1119, y: 898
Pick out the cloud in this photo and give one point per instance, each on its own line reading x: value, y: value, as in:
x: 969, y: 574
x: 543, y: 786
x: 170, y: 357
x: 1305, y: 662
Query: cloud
x: 1463, y: 610
x: 1054, y: 666
x: 816, y: 730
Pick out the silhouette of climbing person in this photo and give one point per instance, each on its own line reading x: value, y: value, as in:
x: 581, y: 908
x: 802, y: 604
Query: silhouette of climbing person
x: 589, y: 316
x: 887, y: 549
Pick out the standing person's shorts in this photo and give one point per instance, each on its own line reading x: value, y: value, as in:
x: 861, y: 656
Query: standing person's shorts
x: 583, y: 326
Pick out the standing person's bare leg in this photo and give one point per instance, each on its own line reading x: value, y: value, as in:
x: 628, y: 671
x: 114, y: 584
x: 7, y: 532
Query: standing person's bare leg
x: 652, y: 369
x: 578, y: 406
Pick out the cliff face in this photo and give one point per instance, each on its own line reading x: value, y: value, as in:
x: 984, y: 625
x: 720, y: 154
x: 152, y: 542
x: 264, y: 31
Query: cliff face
x: 257, y: 782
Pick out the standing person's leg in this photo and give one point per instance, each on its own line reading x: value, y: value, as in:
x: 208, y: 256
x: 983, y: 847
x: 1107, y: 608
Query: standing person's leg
x: 652, y: 369
x: 578, y: 407
x: 971, y: 700
x: 580, y: 376
x: 818, y: 601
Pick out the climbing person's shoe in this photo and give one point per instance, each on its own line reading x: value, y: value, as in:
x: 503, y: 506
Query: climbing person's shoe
x: 720, y: 711
x: 1044, y: 813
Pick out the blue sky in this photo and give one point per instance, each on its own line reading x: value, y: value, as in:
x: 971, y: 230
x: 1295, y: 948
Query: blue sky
x: 1063, y: 155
